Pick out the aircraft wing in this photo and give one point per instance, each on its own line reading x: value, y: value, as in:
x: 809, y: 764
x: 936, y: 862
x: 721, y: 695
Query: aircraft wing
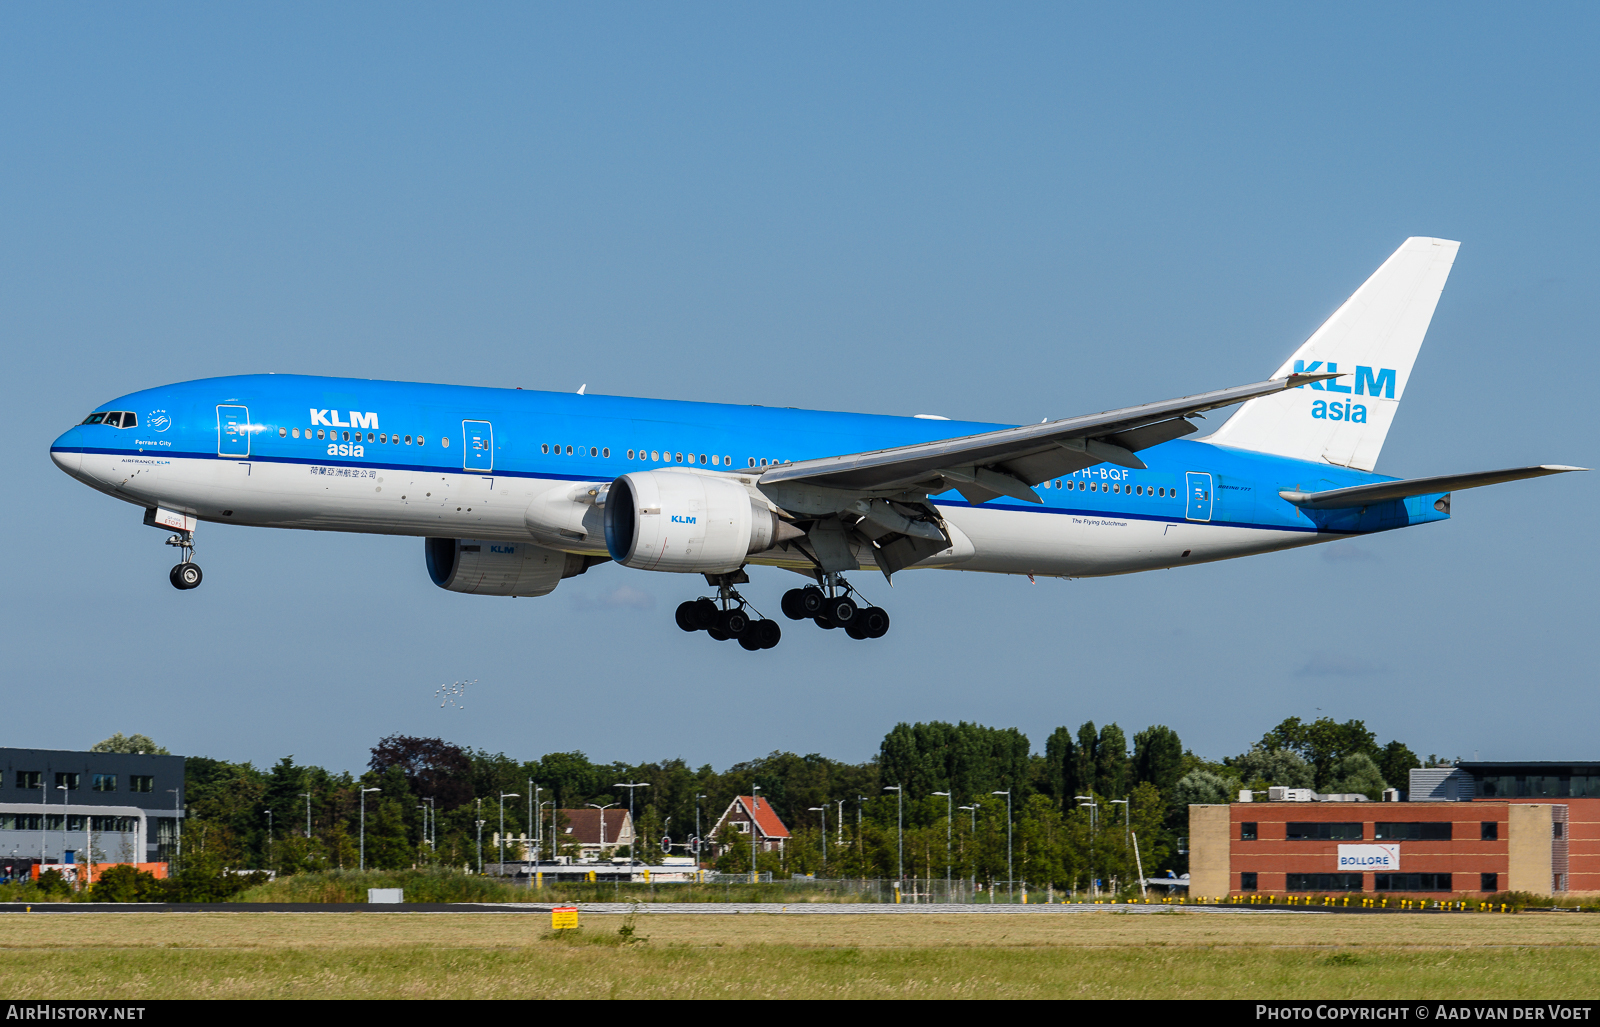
x: 1364, y: 495
x: 1009, y: 461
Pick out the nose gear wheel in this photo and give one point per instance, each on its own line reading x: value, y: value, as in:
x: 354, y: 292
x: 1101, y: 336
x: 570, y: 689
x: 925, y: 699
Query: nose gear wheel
x: 185, y: 575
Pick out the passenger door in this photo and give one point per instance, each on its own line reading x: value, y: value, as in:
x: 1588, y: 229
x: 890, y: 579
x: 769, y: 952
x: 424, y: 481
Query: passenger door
x: 477, y: 446
x: 1198, y: 504
x: 233, y: 431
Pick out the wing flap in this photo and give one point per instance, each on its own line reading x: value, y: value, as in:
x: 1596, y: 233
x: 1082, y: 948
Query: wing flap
x: 885, y: 469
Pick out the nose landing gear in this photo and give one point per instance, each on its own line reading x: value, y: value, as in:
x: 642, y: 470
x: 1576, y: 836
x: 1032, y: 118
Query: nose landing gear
x: 728, y: 616
x: 185, y: 575
x: 833, y: 606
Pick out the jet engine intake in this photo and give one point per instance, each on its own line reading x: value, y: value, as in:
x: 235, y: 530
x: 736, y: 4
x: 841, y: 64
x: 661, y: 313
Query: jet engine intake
x: 684, y: 522
x: 488, y: 568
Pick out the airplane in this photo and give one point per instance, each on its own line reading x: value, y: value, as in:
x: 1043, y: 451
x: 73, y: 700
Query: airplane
x: 515, y: 490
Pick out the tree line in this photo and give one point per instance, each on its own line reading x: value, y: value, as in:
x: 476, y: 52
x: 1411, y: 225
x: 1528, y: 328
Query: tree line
x: 1075, y: 810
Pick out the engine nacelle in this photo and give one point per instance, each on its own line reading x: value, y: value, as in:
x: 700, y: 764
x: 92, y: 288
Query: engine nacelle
x: 679, y: 521
x: 485, y: 568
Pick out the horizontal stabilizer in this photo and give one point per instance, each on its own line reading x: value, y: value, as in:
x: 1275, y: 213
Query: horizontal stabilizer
x: 1366, y: 495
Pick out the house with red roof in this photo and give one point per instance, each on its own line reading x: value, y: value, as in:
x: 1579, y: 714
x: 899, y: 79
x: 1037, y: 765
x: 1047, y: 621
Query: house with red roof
x: 752, y: 815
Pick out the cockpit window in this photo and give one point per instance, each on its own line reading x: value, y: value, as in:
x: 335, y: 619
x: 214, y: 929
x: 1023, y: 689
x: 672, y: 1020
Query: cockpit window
x: 129, y: 419
x: 94, y: 418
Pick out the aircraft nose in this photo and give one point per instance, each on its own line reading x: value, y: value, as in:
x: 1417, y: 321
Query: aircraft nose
x: 67, y: 451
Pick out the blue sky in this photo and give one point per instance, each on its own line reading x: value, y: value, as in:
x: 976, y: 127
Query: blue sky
x: 998, y: 213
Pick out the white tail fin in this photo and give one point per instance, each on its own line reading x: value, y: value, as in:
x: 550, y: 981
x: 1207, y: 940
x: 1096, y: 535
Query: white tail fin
x: 1373, y: 338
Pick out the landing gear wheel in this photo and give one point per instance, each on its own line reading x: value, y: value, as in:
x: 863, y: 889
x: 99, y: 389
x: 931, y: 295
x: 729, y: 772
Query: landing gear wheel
x: 856, y: 630
x: 823, y: 622
x: 841, y: 610
x: 874, y: 621
x: 812, y: 600
x: 749, y: 642
x: 733, y: 623
x: 767, y: 631
x: 720, y: 636
x: 687, y: 617
x: 793, y: 604
x: 705, y: 613
x: 185, y: 576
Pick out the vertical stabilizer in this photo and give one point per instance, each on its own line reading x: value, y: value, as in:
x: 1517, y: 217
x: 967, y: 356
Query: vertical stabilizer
x: 1372, y: 340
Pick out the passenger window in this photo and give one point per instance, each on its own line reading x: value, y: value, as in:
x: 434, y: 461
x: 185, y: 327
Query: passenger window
x: 606, y: 453
x: 319, y: 433
x: 545, y: 449
x: 679, y: 458
x: 569, y: 450
x: 655, y: 456
x: 408, y: 440
x: 383, y: 438
x: 702, y: 458
x: 727, y: 461
x: 593, y: 451
x: 283, y: 433
x: 347, y: 436
x: 763, y: 461
x: 423, y: 442
x: 752, y: 461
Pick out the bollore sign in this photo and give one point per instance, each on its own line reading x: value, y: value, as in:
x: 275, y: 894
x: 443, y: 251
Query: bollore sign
x: 1369, y: 857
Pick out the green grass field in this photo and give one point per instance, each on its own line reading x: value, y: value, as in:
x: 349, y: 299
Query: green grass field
x: 1176, y: 954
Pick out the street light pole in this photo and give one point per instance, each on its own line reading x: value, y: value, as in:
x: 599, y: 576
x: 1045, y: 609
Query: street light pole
x: 1125, y: 827
x: 364, y: 793
x: 480, y: 834
x: 539, y: 812
x: 972, y: 836
x: 755, y: 829
x: 269, y: 838
x: 1094, y: 807
x: 1010, y: 875
x: 824, y: 811
x: 633, y: 847
x: 177, y: 823
x: 44, y: 802
x: 533, y: 800
x: 949, y: 819
x: 899, y: 835
x: 602, y: 810
x: 698, y: 796
x: 500, y: 850
x: 838, y: 826
x: 307, y: 797
x: 63, y: 790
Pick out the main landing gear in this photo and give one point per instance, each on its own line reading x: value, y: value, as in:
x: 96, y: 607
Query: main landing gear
x: 185, y: 575
x: 832, y: 606
x: 728, y: 618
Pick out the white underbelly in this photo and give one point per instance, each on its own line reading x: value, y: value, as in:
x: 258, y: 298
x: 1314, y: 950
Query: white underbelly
x: 1010, y: 541
x: 328, y: 497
